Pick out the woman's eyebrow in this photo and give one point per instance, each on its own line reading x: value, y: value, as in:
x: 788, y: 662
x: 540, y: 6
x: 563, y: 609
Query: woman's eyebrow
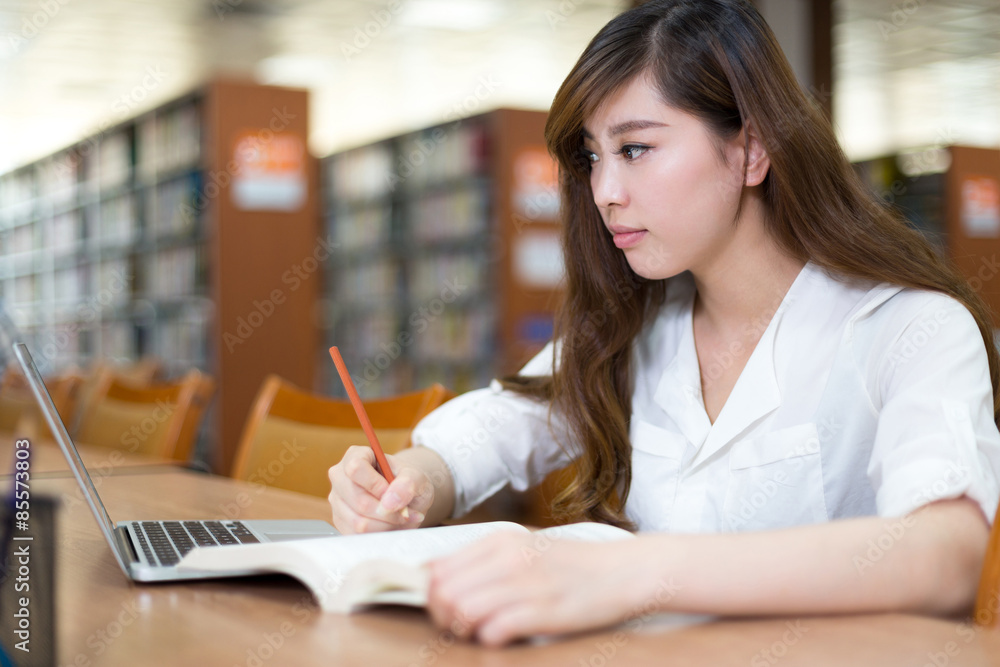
x: 632, y: 125
x: 627, y: 126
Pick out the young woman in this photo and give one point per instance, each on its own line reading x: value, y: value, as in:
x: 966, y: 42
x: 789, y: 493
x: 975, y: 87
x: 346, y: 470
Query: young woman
x: 757, y: 365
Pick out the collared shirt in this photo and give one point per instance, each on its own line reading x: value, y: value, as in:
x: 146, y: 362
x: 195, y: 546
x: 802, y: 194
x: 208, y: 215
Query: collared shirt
x: 858, y: 399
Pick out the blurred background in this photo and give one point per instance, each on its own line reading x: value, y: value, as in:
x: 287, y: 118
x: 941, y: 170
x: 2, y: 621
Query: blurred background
x: 235, y: 185
x: 906, y: 73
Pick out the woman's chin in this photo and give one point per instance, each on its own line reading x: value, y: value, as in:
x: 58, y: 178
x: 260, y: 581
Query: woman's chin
x: 652, y: 268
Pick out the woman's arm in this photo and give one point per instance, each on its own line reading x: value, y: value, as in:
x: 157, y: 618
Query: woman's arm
x: 928, y: 561
x: 508, y: 587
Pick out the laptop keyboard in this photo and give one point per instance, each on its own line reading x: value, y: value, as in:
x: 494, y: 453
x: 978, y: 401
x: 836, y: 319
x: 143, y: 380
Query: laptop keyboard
x: 166, y: 542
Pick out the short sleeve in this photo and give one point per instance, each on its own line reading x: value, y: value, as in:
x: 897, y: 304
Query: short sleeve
x: 490, y: 438
x: 936, y: 437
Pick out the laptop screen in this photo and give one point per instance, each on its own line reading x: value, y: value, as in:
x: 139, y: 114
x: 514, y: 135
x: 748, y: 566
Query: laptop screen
x: 55, y: 423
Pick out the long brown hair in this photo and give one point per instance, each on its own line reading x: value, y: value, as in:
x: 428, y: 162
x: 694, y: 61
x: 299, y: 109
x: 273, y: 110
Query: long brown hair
x: 719, y: 61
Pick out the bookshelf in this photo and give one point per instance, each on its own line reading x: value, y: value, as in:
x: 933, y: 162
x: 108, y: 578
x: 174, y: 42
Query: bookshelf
x: 157, y: 235
x: 427, y: 281
x: 952, y: 195
x: 85, y: 268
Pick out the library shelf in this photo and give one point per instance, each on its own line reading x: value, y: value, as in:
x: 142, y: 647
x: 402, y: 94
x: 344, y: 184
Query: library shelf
x: 155, y: 236
x: 424, y: 285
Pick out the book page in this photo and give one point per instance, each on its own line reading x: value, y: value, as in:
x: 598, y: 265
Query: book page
x: 325, y: 564
x: 383, y: 582
x: 403, y: 546
x: 586, y: 530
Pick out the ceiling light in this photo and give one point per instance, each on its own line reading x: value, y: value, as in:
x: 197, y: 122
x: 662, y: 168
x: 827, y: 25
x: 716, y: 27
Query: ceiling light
x: 293, y: 70
x: 451, y: 14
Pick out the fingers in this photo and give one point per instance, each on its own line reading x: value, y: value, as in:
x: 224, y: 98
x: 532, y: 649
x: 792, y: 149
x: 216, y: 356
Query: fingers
x: 465, y: 607
x: 469, y: 588
x: 349, y: 522
x: 495, y: 614
x: 356, y: 489
x: 513, y: 622
x: 359, y: 467
x: 465, y: 617
x: 410, y: 490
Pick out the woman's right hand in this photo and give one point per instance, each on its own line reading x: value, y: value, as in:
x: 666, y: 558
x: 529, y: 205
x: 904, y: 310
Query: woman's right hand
x: 363, y: 501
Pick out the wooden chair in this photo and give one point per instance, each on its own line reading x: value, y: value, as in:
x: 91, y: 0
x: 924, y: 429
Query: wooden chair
x: 292, y: 437
x: 15, y: 398
x: 987, y: 609
x: 156, y: 420
x: 19, y: 412
x: 15, y: 405
x: 12, y: 377
x: 143, y: 372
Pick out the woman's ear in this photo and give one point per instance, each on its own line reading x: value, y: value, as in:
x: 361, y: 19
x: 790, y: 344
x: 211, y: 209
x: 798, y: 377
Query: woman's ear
x: 757, y: 160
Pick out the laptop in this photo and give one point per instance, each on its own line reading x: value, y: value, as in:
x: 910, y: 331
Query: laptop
x: 150, y: 550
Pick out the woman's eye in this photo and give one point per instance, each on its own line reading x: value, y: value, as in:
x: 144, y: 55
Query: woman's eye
x: 589, y: 156
x: 632, y: 151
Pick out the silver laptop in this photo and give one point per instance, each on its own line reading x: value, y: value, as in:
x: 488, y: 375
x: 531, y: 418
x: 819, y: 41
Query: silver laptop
x: 150, y: 550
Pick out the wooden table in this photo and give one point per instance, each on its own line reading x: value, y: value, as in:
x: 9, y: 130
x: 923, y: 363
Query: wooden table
x: 47, y: 460
x: 105, y: 620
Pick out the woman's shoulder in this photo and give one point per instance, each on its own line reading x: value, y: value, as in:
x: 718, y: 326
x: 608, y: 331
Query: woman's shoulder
x: 880, y: 302
x: 906, y: 306
x: 916, y: 321
x: 847, y: 288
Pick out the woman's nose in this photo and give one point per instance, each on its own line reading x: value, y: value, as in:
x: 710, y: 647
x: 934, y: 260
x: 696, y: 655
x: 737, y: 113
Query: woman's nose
x: 607, y: 187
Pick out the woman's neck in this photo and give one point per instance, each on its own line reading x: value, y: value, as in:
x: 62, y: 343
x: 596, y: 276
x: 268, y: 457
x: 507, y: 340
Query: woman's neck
x: 747, y: 280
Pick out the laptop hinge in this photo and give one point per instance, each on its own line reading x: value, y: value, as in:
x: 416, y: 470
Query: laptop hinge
x: 123, y: 535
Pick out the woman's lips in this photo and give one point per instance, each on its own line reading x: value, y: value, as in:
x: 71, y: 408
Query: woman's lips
x: 628, y: 238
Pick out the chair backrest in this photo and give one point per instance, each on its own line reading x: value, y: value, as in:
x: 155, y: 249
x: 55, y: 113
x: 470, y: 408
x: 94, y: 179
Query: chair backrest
x: 143, y: 372
x: 292, y: 437
x: 12, y: 377
x: 156, y: 420
x: 146, y: 370
x: 987, y: 610
x: 15, y: 405
x: 19, y: 412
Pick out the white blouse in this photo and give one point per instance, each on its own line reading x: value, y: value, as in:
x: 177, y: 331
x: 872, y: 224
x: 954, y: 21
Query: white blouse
x: 858, y: 399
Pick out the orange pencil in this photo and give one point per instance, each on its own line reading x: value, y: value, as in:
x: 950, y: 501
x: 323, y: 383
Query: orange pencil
x: 380, y: 461
x: 381, y: 464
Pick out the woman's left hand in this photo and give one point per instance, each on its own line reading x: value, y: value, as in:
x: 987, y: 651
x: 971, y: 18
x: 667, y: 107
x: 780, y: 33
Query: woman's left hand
x: 512, y: 585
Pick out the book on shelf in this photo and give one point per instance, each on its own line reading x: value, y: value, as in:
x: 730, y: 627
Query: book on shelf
x: 461, y: 213
x: 349, y: 572
x: 174, y: 272
x: 168, y: 140
x: 173, y: 210
x: 361, y: 173
x: 364, y: 227
x: 437, y: 155
x: 65, y: 234
x: 114, y: 162
x: 57, y: 180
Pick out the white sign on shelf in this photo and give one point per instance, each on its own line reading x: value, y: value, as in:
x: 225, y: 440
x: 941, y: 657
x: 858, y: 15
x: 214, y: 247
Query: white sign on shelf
x: 981, y: 207
x: 538, y: 259
x: 269, y: 172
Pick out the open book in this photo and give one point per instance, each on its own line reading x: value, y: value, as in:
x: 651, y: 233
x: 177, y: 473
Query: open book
x: 351, y: 571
